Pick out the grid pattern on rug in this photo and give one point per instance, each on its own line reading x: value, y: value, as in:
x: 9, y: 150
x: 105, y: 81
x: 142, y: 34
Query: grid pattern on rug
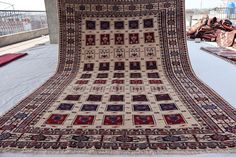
x: 124, y: 82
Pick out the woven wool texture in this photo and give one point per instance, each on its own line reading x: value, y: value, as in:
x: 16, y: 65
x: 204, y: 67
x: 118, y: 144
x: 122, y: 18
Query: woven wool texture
x: 124, y: 85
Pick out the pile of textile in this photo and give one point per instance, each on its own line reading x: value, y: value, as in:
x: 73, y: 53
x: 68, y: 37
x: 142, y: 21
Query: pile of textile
x: 213, y: 29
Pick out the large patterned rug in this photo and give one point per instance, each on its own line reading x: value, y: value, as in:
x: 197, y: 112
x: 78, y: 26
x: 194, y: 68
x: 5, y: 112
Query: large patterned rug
x: 124, y: 85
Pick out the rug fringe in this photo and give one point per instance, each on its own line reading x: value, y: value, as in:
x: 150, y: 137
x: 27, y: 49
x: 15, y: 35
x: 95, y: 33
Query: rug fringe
x: 116, y: 152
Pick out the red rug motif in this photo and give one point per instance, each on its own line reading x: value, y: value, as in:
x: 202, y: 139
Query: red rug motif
x: 7, y: 58
x: 124, y: 85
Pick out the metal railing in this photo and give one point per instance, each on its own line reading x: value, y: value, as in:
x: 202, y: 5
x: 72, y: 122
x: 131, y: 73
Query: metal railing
x: 192, y: 16
x: 224, y: 13
x: 15, y: 21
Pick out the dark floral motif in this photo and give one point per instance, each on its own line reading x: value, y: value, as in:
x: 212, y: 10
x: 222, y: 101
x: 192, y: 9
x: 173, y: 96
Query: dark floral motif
x: 133, y: 38
x: 140, y: 98
x: 124, y: 139
x: 119, y: 75
x: 218, y: 137
x: 70, y: 30
x: 209, y: 107
x: 119, y: 40
x: 104, y: 66
x: 86, y: 76
x: 135, y: 66
x: 117, y: 98
x: 113, y: 120
x: 84, y: 120
x: 151, y: 65
x: 80, y: 138
x: 168, y: 107
x: 56, y: 119
x: 94, y: 98
x: 171, y: 138
x: 70, y: 20
x: 115, y: 8
x: 39, y: 137
x: 172, y: 32
x: 132, y: 7
x: 99, y: 8
x: 115, y: 108
x: 72, y: 97
x: 5, y: 136
x: 153, y: 75
x: 8, y: 127
x: 174, y: 119
x: 70, y: 10
x: 102, y: 75
x: 91, y: 25
x: 163, y: 97
x: 170, y: 13
x: 143, y: 120
x: 65, y: 106
x: 70, y: 41
x: 119, y: 66
x: 149, y: 37
x: 171, y: 22
x: 220, y: 117
x: 149, y: 6
x: 104, y: 25
x: 119, y: 25
x: 167, y: 5
x: 88, y: 67
x: 89, y: 107
x: 134, y: 24
x: 90, y: 40
x: 148, y: 23
x: 135, y: 75
x: 173, y: 43
x: 141, y: 108
x: 231, y: 129
x: 174, y: 53
x: 21, y: 115
x: 82, y: 7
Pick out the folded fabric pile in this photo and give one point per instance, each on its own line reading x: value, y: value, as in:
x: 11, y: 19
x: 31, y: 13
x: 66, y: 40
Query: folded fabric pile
x: 214, y: 29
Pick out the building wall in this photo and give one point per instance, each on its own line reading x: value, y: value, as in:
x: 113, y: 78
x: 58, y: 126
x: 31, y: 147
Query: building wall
x: 53, y: 20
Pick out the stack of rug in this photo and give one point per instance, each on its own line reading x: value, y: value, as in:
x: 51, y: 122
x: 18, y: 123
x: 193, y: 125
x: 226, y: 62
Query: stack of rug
x: 124, y: 85
x: 220, y: 30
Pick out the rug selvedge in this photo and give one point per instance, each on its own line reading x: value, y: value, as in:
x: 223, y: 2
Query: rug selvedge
x: 124, y: 82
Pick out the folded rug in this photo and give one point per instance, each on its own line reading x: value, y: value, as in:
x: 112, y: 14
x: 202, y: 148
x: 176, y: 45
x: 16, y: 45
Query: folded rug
x: 222, y: 52
x: 7, y: 58
x: 124, y: 85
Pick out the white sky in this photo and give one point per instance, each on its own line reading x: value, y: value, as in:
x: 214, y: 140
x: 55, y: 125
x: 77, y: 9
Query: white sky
x: 39, y: 4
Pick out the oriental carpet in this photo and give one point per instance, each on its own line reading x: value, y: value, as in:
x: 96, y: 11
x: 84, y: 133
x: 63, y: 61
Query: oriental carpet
x: 222, y: 52
x: 124, y: 85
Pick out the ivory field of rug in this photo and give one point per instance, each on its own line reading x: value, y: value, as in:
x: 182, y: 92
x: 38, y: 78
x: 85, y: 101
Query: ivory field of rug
x: 222, y: 52
x: 124, y: 85
x: 7, y: 58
